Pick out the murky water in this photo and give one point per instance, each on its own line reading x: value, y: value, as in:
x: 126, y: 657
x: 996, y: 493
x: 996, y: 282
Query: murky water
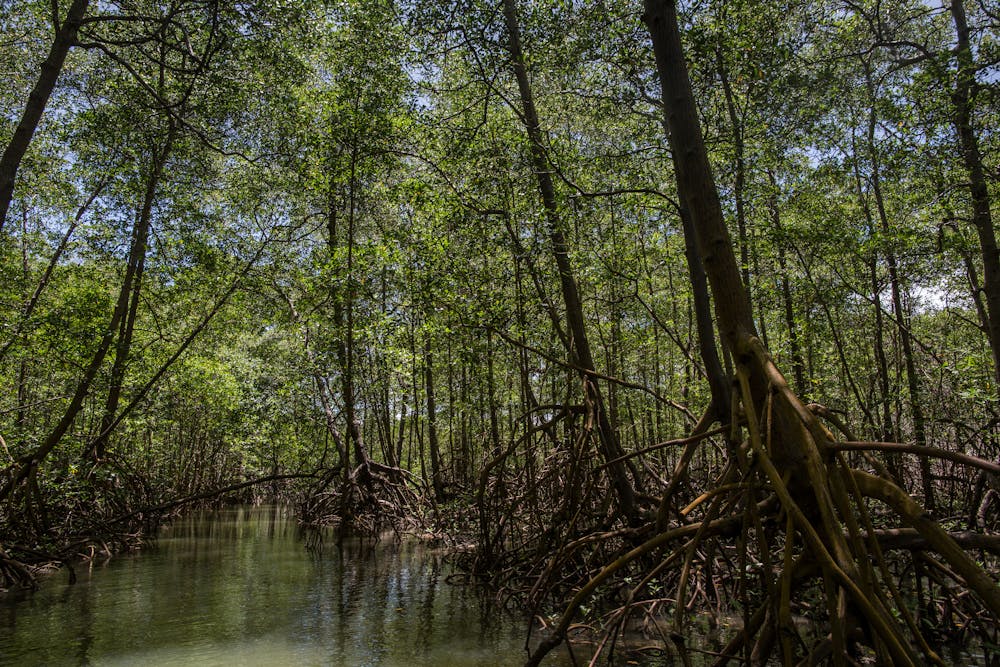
x: 239, y: 588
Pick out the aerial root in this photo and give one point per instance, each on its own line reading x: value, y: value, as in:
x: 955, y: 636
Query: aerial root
x: 802, y: 522
x: 370, y: 498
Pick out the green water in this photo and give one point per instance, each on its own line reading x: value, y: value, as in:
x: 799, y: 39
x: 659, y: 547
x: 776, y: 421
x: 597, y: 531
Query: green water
x: 239, y: 587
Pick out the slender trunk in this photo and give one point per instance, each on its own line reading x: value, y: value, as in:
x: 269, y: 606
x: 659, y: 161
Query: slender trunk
x: 388, y: 443
x: 611, y: 364
x: 887, y: 432
x: 416, y: 428
x: 527, y: 394
x: 718, y: 379
x: 464, y: 445
x: 32, y: 302
x: 912, y: 379
x: 97, y: 448
x: 580, y: 352
x: 491, y: 396
x: 437, y: 481
x: 658, y: 410
x: 906, y: 342
x: 739, y: 184
x: 798, y: 364
x: 982, y: 218
x: 64, y: 38
x: 345, y: 347
x: 342, y: 298
x: 886, y: 429
x: 28, y: 462
x: 21, y: 416
x: 22, y: 370
x: 401, y: 434
x: 455, y: 464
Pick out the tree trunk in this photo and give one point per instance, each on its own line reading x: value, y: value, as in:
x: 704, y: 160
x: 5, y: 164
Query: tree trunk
x: 982, y: 218
x: 912, y: 380
x: 343, y: 307
x: 886, y: 430
x: 794, y: 439
x: 491, y: 396
x: 98, y: 446
x: 718, y: 379
x: 798, y: 365
x: 895, y: 291
x: 739, y: 167
x: 437, y: 481
x: 24, y: 465
x: 579, y: 351
x: 64, y: 38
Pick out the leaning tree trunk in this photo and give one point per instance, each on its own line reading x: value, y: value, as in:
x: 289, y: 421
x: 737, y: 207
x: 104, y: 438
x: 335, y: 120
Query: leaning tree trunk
x: 64, y: 38
x: 19, y: 471
x: 123, y: 346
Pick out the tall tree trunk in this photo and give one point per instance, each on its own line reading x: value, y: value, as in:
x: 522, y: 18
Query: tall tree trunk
x: 902, y: 322
x: 895, y: 291
x: 718, y: 379
x: 344, y: 319
x: 342, y: 298
x: 695, y: 180
x: 579, y: 351
x: 887, y: 431
x: 739, y: 167
x: 64, y: 38
x: 798, y: 364
x: 793, y: 452
x: 437, y: 479
x: 982, y: 218
x: 123, y: 346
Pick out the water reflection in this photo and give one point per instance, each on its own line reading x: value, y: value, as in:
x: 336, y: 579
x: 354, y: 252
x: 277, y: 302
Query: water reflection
x: 239, y: 588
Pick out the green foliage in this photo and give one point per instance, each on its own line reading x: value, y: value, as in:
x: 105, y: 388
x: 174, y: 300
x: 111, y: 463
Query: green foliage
x: 368, y: 159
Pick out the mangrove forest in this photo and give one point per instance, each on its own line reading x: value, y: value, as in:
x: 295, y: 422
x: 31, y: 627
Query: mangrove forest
x: 646, y: 316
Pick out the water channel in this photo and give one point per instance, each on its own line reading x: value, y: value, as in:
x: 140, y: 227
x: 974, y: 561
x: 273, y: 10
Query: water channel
x: 238, y: 587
